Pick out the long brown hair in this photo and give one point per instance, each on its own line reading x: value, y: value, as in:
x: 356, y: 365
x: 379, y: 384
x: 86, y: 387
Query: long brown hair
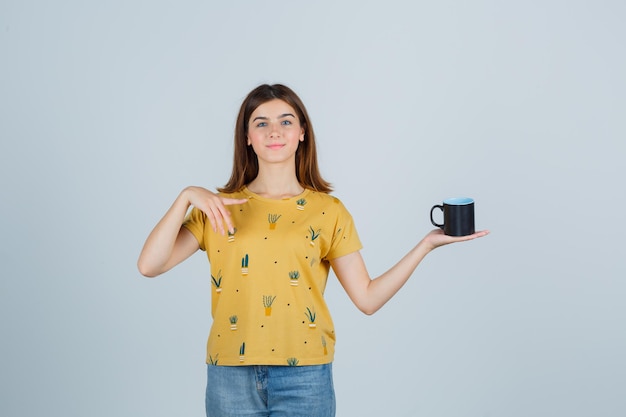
x: 246, y: 163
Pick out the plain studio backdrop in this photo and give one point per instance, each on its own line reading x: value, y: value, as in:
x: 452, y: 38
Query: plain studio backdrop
x: 109, y: 109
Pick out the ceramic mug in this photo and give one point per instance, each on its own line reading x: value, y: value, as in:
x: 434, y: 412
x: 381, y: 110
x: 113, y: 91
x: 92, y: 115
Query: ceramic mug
x: 458, y: 216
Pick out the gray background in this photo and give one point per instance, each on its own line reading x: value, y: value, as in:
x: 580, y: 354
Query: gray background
x: 109, y: 109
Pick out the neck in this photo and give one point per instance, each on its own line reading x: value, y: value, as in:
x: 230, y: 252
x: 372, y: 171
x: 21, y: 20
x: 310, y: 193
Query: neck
x: 276, y: 183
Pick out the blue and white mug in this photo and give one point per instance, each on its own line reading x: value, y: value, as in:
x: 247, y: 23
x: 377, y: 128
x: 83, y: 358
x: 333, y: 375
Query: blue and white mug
x: 458, y: 216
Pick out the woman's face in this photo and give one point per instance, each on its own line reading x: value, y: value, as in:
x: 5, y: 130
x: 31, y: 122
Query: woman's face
x: 274, y: 132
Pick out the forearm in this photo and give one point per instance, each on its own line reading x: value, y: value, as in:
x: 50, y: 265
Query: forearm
x: 159, y: 245
x: 384, y: 287
x: 369, y: 295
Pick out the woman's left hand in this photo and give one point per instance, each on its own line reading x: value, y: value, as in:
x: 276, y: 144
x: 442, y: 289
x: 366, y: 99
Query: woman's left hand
x: 437, y: 238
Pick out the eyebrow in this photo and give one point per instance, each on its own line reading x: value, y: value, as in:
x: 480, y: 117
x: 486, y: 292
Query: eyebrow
x: 280, y: 117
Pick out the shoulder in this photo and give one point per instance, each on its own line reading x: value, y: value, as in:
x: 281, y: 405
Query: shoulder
x: 323, y: 198
x: 327, y: 201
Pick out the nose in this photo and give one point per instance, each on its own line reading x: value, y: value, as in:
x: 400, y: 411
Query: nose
x: 274, y: 130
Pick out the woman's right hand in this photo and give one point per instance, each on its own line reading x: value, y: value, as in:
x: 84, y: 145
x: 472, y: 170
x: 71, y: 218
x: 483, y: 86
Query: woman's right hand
x: 214, y: 206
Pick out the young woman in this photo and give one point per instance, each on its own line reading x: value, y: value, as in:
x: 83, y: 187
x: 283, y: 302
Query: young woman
x: 271, y: 235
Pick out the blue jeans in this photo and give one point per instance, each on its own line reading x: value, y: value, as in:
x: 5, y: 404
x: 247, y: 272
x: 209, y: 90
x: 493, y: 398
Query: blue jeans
x: 235, y: 391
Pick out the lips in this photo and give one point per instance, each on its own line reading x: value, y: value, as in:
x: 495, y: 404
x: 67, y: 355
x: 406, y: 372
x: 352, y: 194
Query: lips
x: 275, y: 146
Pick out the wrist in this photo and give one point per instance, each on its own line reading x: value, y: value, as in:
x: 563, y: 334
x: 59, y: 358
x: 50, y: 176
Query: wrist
x: 185, y: 196
x: 426, y: 246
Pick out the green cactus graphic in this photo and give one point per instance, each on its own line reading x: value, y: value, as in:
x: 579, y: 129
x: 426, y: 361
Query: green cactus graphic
x: 213, y: 361
x: 292, y: 361
x: 314, y: 235
x: 217, y: 282
x: 244, y: 265
x: 233, y: 322
x: 242, y: 352
x: 300, y: 204
x: 231, y: 236
x: 293, y: 278
x: 268, y: 300
x: 311, y: 316
x: 324, y: 345
x: 272, y: 219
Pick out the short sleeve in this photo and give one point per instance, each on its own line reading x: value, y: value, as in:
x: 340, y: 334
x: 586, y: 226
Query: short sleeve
x: 194, y: 222
x: 345, y: 239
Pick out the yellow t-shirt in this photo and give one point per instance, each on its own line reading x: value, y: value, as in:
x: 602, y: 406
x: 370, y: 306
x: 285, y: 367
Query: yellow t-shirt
x: 268, y: 278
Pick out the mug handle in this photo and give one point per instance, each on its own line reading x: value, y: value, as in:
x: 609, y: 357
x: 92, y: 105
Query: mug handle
x: 431, y: 215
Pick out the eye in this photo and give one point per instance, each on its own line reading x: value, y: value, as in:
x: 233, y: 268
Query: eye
x: 261, y: 124
x: 286, y: 122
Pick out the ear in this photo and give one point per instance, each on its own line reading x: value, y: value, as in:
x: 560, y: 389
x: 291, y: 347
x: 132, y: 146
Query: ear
x: 248, y: 140
x: 301, y: 134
